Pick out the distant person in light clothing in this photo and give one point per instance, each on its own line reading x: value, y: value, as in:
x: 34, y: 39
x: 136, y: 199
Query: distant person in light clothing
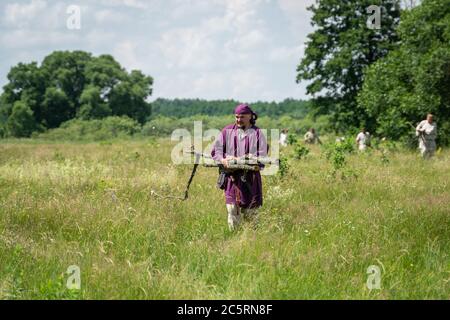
x: 283, y: 137
x: 427, y: 132
x: 363, y: 139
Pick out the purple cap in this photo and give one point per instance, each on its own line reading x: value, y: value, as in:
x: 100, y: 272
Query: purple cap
x: 243, y: 109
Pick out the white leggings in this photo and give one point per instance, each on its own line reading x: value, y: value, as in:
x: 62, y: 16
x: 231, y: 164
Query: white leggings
x: 235, y: 214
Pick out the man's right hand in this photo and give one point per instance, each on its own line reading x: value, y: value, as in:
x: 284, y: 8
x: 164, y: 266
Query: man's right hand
x: 224, y: 162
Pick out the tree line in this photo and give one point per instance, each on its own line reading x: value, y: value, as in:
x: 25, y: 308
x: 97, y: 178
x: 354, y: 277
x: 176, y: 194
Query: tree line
x: 181, y: 108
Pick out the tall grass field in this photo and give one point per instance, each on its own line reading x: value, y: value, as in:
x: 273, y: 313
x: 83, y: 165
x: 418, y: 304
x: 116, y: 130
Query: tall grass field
x: 94, y: 206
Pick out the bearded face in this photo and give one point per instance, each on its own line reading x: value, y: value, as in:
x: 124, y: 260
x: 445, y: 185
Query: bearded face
x: 243, y: 120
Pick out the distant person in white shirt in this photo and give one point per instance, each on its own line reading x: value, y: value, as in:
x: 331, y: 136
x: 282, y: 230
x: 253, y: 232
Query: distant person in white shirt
x: 363, y: 139
x: 427, y: 132
x: 311, y: 137
x: 283, y: 137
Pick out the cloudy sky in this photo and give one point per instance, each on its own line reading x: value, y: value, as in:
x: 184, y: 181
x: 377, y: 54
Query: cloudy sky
x: 212, y: 49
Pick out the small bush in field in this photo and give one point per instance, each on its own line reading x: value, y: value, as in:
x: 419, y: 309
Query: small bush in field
x: 292, y: 139
x: 300, y: 152
x: 284, y: 166
x: 336, y: 153
x: 87, y: 130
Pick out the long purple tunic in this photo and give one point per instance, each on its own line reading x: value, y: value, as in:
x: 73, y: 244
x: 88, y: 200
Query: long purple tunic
x: 234, y: 142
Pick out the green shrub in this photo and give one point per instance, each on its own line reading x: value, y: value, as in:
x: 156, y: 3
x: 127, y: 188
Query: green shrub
x: 337, y: 153
x: 292, y: 139
x: 93, y: 130
x: 21, y: 122
x: 300, y: 152
x: 284, y: 167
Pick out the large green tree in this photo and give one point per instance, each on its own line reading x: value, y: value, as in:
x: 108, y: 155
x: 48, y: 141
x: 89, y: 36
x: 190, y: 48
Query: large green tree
x: 92, y: 104
x: 66, y: 71
x: 56, y: 108
x: 70, y: 84
x: 339, y: 50
x: 413, y: 80
x: 27, y: 83
x: 128, y: 97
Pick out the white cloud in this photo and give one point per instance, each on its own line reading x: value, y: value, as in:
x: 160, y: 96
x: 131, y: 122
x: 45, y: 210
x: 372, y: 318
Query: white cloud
x: 187, y: 48
x: 108, y: 16
x: 282, y: 54
x: 246, y: 41
x: 248, y: 82
x: 296, y: 8
x: 27, y: 39
x: 242, y: 16
x: 298, y: 15
x: 218, y: 40
x: 247, y: 85
x: 209, y: 83
x: 137, y: 4
x: 125, y: 53
x: 190, y: 8
x: 21, y: 15
x: 193, y: 48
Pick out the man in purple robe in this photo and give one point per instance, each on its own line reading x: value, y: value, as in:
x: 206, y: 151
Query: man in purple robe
x: 243, y: 188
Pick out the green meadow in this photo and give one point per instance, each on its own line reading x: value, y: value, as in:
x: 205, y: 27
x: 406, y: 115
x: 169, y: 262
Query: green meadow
x: 92, y: 205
